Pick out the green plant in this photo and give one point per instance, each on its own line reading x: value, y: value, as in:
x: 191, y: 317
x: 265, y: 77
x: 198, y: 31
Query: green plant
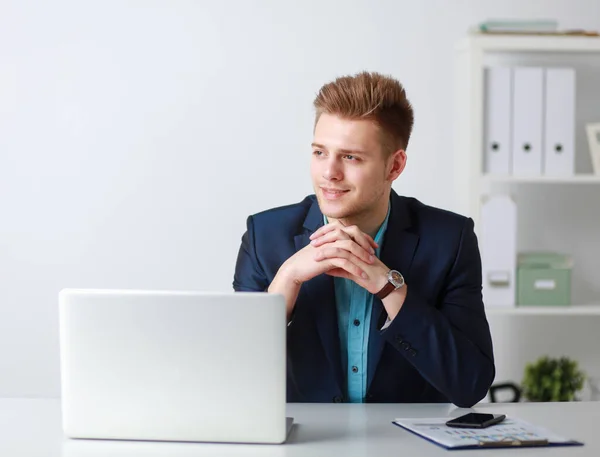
x: 550, y: 379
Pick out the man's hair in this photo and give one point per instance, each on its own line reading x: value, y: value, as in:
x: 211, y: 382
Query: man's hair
x: 370, y: 96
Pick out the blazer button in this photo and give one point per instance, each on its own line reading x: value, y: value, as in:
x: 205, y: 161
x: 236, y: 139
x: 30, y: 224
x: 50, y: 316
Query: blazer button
x: 399, y: 339
x: 412, y: 352
x: 338, y: 399
x: 405, y: 346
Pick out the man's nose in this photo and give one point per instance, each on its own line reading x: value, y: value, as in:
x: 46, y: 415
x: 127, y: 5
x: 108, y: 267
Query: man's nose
x: 333, y: 170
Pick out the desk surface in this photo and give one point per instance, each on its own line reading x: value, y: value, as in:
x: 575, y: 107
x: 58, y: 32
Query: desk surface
x: 32, y: 427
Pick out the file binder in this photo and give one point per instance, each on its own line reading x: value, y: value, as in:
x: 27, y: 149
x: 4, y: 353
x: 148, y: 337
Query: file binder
x: 499, y: 250
x: 527, y: 121
x: 498, y: 104
x: 559, y: 125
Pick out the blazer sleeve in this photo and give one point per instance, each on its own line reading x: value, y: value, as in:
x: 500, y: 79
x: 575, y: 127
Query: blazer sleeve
x: 249, y: 275
x: 449, y: 342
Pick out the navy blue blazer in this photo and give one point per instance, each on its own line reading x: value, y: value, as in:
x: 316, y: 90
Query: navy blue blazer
x: 437, y: 349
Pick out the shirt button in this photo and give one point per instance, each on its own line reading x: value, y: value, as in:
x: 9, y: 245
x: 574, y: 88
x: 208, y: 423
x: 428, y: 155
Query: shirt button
x: 354, y: 369
x: 356, y: 322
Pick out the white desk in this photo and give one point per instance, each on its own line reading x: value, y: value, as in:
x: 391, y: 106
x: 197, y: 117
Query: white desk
x: 33, y: 428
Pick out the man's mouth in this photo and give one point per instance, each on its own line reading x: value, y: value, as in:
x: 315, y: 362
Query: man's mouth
x: 332, y: 194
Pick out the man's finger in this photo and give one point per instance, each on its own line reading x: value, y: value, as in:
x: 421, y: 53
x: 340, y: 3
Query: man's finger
x: 332, y: 252
x: 364, y: 242
x: 325, y: 229
x: 355, y: 232
x: 344, y: 249
x: 336, y: 256
x: 339, y: 234
x: 359, y: 240
x: 349, y: 266
x: 356, y: 249
x: 339, y: 251
x: 335, y: 229
x: 330, y: 237
x: 340, y: 273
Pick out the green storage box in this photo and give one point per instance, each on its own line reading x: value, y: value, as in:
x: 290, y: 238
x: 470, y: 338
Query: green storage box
x: 544, y: 279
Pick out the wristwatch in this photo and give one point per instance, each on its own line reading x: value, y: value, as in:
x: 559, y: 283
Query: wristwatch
x: 395, y: 281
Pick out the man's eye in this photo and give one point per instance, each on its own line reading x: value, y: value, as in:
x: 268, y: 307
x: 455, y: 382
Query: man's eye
x: 318, y: 153
x: 350, y: 157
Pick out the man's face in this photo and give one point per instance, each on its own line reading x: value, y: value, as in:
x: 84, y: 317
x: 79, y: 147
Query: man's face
x: 349, y: 170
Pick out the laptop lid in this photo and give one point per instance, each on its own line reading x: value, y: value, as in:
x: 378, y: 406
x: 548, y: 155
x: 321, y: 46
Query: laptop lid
x: 174, y: 366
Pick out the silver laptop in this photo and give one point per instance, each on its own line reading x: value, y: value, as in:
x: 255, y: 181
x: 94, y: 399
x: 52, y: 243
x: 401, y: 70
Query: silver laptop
x: 173, y: 366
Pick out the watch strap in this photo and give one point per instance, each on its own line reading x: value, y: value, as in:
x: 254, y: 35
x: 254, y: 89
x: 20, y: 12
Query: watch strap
x: 385, y: 291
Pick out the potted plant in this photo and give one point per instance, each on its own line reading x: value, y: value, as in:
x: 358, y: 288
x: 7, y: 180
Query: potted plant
x: 552, y: 379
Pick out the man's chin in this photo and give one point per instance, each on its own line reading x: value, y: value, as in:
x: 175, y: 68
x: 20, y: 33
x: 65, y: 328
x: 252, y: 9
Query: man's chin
x: 335, y: 211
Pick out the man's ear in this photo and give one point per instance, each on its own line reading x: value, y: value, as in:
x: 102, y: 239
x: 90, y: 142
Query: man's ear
x: 396, y: 164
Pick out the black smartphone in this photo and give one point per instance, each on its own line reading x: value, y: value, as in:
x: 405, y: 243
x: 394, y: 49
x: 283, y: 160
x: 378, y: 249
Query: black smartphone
x: 476, y: 420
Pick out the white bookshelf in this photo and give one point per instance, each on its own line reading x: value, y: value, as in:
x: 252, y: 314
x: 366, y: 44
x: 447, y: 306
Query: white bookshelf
x: 471, y: 182
x: 520, y: 334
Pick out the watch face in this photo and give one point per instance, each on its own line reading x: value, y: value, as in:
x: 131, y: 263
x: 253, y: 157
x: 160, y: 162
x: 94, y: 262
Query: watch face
x: 396, y: 278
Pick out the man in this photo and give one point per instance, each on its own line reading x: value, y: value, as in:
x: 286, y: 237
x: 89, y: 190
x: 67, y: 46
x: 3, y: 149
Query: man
x: 383, y: 292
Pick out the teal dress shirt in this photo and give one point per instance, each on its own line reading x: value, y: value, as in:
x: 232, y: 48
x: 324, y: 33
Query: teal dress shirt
x: 354, y: 305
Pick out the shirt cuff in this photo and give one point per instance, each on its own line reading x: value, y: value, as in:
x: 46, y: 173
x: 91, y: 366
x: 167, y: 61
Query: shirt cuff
x: 387, y: 323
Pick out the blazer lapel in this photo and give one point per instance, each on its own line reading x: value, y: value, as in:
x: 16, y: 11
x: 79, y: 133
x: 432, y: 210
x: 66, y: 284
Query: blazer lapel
x: 397, y: 252
x: 321, y: 293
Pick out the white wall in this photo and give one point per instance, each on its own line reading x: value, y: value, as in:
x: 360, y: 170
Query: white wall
x: 136, y: 137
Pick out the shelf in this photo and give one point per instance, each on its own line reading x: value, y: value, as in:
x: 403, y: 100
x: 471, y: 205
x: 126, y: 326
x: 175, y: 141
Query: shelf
x: 524, y: 43
x: 579, y: 310
x: 576, y: 179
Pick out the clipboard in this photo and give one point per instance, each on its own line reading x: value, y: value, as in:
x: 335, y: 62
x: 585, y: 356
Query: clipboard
x: 511, y: 433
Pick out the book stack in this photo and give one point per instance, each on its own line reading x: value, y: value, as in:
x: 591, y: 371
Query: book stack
x: 519, y: 26
x: 528, y: 27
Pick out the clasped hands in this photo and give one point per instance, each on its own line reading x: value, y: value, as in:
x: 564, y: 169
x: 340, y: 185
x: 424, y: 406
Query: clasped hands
x: 350, y: 254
